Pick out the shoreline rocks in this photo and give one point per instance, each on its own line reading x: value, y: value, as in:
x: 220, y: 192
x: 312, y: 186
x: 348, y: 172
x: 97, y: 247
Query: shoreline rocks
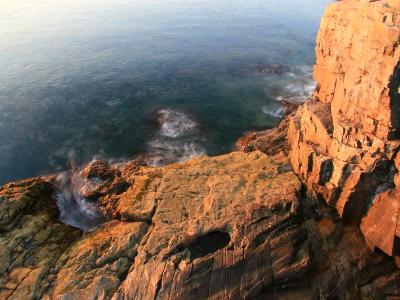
x: 343, y: 142
x: 283, y: 218
x: 237, y: 226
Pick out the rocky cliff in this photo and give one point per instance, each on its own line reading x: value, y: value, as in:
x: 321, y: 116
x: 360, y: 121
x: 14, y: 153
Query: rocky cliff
x: 344, y: 142
x: 286, y: 217
x: 236, y: 226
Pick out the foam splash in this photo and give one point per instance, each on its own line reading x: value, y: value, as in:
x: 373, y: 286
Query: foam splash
x: 176, y: 140
x: 76, y: 210
x: 295, y: 85
x: 174, y: 123
x: 300, y: 86
x: 162, y: 153
x: 273, y: 112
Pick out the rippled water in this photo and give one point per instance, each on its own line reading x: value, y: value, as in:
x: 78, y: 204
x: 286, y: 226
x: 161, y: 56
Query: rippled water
x: 173, y: 78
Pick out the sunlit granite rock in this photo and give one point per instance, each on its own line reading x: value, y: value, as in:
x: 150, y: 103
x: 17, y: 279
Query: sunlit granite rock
x: 241, y: 225
x: 344, y: 141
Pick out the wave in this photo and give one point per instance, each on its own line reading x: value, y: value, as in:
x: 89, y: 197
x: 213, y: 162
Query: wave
x: 176, y: 140
x: 76, y: 210
x: 301, y: 85
x: 273, y: 112
x: 174, y: 124
x: 296, y: 85
x: 162, y: 152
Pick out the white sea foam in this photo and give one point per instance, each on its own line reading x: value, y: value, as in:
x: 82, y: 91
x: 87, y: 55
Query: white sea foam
x: 176, y: 140
x: 296, y: 88
x: 163, y: 152
x: 273, y: 112
x: 174, y: 124
x: 300, y: 85
x: 113, y: 102
x: 76, y: 210
x: 307, y: 70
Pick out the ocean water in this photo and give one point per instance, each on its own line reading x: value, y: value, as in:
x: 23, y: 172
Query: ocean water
x: 171, y: 78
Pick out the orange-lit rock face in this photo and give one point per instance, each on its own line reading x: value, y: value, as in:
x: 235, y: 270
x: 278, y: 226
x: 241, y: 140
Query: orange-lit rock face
x: 238, y: 226
x: 227, y: 227
x: 357, y: 65
x: 381, y: 225
x: 212, y: 217
x: 227, y: 224
x: 343, y: 142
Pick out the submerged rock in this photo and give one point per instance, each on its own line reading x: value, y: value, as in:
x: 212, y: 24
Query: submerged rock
x: 272, y: 69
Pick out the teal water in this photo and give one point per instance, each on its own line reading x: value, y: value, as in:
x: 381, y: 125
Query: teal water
x: 173, y: 78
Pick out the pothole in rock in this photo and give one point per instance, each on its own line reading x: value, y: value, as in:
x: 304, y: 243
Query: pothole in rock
x: 208, y: 243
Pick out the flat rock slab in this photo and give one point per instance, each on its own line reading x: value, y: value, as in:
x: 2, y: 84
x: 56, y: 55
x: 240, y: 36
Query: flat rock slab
x: 221, y: 227
x: 227, y: 227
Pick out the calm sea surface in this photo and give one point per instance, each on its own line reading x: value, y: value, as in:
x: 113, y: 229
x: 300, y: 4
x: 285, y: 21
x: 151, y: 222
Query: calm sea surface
x: 171, y: 78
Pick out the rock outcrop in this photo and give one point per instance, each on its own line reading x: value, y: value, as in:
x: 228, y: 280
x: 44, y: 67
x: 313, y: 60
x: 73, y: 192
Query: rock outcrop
x: 31, y: 239
x: 344, y: 141
x: 230, y: 227
x: 295, y: 214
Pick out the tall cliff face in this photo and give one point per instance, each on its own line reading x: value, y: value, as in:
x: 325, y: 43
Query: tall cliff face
x: 344, y: 141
